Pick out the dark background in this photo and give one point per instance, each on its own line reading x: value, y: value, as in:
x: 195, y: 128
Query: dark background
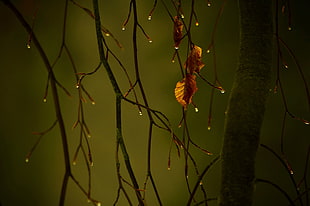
x: 23, y: 79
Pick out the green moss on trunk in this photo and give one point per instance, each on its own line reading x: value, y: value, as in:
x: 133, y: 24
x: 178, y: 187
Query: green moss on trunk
x: 247, y: 103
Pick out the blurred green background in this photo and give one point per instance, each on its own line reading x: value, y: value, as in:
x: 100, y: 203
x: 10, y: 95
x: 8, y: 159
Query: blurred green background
x: 23, y: 111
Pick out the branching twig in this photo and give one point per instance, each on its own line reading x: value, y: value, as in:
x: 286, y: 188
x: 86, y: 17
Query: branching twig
x: 200, y: 177
x: 55, y: 98
x: 278, y: 188
x: 119, y: 98
x: 285, y: 166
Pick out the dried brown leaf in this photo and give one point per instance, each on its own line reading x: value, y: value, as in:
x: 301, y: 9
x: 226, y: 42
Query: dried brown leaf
x: 177, y: 32
x: 193, y: 63
x: 185, y: 90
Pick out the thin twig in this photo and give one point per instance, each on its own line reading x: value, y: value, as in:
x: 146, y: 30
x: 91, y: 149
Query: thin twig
x: 278, y: 188
x: 119, y: 97
x: 198, y: 182
x: 55, y: 99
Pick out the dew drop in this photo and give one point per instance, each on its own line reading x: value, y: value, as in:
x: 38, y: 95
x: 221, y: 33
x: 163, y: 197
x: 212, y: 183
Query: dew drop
x: 93, y: 102
x: 209, y: 4
x: 27, y: 160
x: 88, y: 135
x: 123, y: 28
x: 150, y: 41
x: 291, y: 172
x: 149, y: 18
x: 186, y: 176
x: 200, y: 183
x: 289, y: 28
x: 196, y: 109
x: 286, y: 66
x: 140, y: 113
x: 77, y: 86
x: 209, y: 128
x: 169, y: 168
x: 173, y: 61
x: 208, y: 51
x: 197, y: 23
x: 306, y: 122
x: 98, y: 203
x: 107, y: 34
x: 182, y: 16
x: 44, y: 100
x: 74, y: 163
x: 92, y: 164
x: 176, y: 47
x: 222, y: 91
x: 28, y: 46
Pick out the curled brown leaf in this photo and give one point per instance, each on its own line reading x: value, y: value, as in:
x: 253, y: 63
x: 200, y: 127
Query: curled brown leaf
x: 177, y: 32
x: 193, y: 63
x: 185, y: 90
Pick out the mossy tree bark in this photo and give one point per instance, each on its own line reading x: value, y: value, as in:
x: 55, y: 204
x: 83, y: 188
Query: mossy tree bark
x: 246, y: 106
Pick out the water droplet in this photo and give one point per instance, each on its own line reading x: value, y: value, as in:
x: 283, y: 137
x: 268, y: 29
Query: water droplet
x: 44, y: 100
x: 169, y: 168
x: 89, y: 200
x: 88, y: 135
x: 140, y: 113
x: 149, y: 18
x: 289, y: 28
x: 173, y: 61
x: 98, y: 203
x: 306, y: 122
x: 123, y: 28
x: 196, y: 109
x: 27, y: 160
x: 186, y: 176
x: 200, y: 183
x: 28, y: 46
x: 92, y: 164
x: 77, y: 86
x: 107, y: 34
x: 182, y: 16
x: 197, y: 23
x: 222, y: 91
x: 93, y: 102
x: 285, y: 66
x: 291, y: 172
x: 209, y: 4
x: 209, y: 128
x: 74, y: 162
x: 176, y: 47
x: 150, y: 41
x: 208, y: 51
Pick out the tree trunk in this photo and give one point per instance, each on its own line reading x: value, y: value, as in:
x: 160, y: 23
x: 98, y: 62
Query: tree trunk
x: 246, y: 106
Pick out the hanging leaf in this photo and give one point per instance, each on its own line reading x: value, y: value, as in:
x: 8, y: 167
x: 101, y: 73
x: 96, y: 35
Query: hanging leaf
x: 185, y: 90
x: 193, y: 63
x: 177, y: 32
